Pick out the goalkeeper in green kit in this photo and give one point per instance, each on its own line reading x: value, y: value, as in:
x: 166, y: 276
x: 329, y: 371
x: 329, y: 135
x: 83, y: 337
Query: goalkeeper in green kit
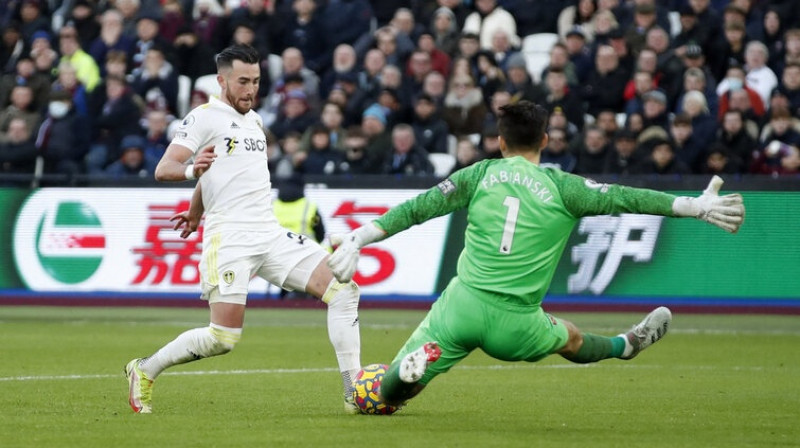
x: 519, y: 219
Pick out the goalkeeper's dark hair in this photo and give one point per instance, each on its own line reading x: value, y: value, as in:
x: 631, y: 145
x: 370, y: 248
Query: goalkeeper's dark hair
x: 237, y: 52
x: 522, y: 124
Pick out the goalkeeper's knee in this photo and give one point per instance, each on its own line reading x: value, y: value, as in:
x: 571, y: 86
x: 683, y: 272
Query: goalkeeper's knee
x: 222, y: 340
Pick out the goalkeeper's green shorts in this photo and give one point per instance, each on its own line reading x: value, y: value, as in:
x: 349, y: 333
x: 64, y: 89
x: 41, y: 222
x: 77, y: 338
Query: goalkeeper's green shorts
x: 464, y: 319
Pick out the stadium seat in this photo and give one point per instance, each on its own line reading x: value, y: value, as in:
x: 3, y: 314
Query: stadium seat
x: 184, y: 95
x: 674, y: 23
x: 208, y: 84
x: 536, y: 63
x: 442, y: 163
x: 275, y: 64
x: 539, y: 42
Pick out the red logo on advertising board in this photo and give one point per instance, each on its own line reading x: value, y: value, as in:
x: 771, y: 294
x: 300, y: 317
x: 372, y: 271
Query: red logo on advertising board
x: 386, y: 263
x: 165, y: 252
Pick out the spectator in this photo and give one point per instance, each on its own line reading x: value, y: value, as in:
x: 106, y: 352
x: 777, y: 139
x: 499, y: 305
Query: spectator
x: 668, y: 64
x: 290, y: 159
x: 157, y: 82
x: 130, y: 10
x: 579, y: 16
x: 116, y: 65
x: 440, y: 61
x: 430, y: 130
x: 560, y: 95
x: 490, y: 77
x: 488, y: 18
x: 83, y: 17
x: 720, y: 161
x: 663, y: 160
x: 155, y: 128
x: 642, y: 83
x: 206, y: 18
x: 305, y: 31
x: 31, y: 19
x: 393, y: 84
x: 395, y: 46
x: 355, y: 159
x: 192, y: 58
x: 556, y: 154
x: 86, y: 69
x: 692, y: 31
x: 332, y: 120
x: 490, y: 144
x: 147, y: 37
x: 119, y: 116
x: 346, y: 20
x: 444, y: 29
x: 790, y: 87
x: 520, y: 83
x: 132, y: 162
x: 296, y: 114
x: 17, y: 150
x: 68, y: 80
x: 606, y: 83
x: 791, y: 49
x: 406, y: 157
x: 63, y: 138
x: 734, y: 136
x: 321, y: 158
x: 704, y: 124
x: 760, y: 77
x: 625, y: 157
x: 644, y: 18
x: 734, y: 93
x: 502, y: 48
x: 579, y: 55
x: 111, y: 38
x: 404, y: 22
x: 262, y: 18
x: 45, y: 58
x: 373, y: 126
x: 435, y: 86
x: 701, y: 77
x: 685, y: 144
x: 655, y: 109
x: 607, y: 121
x: 468, y: 47
x: 592, y: 151
x: 466, y: 154
x: 464, y: 108
x: 559, y: 59
x: 12, y: 46
x: 419, y: 65
x: 694, y: 79
x: 172, y: 20
x: 777, y: 159
x: 344, y: 62
x: 779, y: 129
x: 21, y: 107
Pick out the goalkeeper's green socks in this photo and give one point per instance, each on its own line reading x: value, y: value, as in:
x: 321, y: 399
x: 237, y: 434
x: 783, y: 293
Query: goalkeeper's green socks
x: 596, y: 348
x: 393, y: 389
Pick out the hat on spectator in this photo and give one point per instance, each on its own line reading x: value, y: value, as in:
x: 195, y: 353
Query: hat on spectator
x: 296, y: 94
x: 469, y: 35
x: 41, y: 34
x: 616, y: 33
x: 624, y: 134
x: 60, y: 95
x: 132, y: 142
x: 516, y: 60
x: 655, y: 95
x: 34, y: 3
x: 377, y: 112
x: 576, y: 31
x: 348, y: 76
x: 735, y: 25
x: 148, y: 15
x: 693, y: 51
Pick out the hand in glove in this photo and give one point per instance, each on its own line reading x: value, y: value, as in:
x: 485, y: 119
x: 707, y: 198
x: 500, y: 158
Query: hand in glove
x: 725, y: 212
x: 344, y: 260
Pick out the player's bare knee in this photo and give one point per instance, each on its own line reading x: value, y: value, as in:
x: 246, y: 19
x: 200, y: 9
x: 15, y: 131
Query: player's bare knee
x: 574, y: 339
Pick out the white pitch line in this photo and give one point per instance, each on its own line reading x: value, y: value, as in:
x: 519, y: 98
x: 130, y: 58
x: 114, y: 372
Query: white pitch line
x: 518, y: 366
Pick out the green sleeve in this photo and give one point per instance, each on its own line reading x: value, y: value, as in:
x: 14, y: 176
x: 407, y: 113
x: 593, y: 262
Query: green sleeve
x: 451, y: 194
x: 585, y: 197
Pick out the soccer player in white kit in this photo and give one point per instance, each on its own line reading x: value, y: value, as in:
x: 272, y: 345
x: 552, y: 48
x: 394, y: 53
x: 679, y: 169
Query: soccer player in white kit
x: 242, y: 237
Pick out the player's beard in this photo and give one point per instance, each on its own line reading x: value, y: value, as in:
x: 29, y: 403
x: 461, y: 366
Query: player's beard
x: 236, y: 104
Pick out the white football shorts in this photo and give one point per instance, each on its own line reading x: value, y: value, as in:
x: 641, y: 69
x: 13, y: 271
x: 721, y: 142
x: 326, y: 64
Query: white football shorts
x: 230, y: 259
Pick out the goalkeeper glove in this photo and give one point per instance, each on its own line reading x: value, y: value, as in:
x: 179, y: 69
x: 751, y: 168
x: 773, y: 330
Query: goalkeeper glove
x: 725, y: 212
x: 344, y: 260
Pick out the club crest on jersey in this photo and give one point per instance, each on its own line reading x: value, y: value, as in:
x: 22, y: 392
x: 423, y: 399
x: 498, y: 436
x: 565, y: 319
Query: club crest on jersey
x: 446, y: 187
x: 228, y: 277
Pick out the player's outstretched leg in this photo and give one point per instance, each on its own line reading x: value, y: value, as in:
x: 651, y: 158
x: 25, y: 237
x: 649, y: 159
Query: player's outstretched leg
x: 401, y: 382
x: 647, y: 332
x: 140, y: 388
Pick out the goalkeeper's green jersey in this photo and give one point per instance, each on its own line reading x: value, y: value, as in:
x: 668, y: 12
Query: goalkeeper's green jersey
x: 519, y: 219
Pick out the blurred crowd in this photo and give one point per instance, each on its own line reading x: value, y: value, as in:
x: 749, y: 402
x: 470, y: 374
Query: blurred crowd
x: 408, y: 88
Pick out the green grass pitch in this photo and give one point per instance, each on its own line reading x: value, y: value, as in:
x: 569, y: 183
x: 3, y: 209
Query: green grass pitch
x: 714, y: 381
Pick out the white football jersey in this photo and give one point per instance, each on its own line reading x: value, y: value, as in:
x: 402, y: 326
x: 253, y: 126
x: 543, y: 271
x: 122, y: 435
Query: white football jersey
x: 236, y: 189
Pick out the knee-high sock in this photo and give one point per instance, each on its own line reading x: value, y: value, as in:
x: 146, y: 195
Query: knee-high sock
x: 343, y: 328
x: 191, y: 345
x: 394, y: 390
x: 596, y: 348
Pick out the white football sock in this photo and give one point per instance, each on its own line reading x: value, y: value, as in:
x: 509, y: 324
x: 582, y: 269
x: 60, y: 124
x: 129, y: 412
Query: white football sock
x: 191, y: 345
x: 343, y: 328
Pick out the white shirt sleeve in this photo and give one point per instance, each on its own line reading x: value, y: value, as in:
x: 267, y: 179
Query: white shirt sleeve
x: 194, y: 132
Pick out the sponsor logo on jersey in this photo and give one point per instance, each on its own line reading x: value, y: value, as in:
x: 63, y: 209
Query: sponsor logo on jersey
x: 230, y: 143
x: 447, y: 187
x: 595, y: 185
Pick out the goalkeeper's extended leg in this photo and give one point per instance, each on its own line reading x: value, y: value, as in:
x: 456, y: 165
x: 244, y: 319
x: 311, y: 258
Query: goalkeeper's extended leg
x: 401, y: 382
x: 587, y: 347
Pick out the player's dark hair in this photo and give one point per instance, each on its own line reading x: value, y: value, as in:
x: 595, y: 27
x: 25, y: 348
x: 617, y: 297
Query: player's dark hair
x: 522, y: 124
x: 237, y: 52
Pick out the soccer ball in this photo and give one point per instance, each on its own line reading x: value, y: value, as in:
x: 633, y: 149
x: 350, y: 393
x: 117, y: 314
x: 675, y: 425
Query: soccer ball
x: 365, y: 394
